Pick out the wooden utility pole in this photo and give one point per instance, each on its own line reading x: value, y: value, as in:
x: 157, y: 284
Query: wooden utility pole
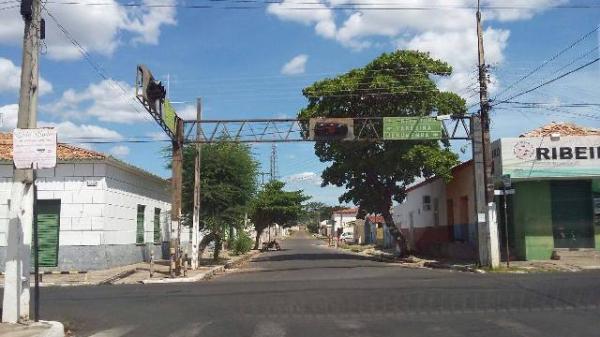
x: 176, y: 186
x: 18, y: 265
x: 196, y: 215
x: 482, y: 158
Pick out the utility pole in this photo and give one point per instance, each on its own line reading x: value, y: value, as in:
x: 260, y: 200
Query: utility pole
x: 273, y: 170
x: 18, y: 265
x: 489, y: 254
x: 196, y: 215
x: 176, y: 182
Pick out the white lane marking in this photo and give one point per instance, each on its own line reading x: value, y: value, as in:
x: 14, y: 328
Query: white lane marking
x: 114, y: 332
x: 268, y: 329
x: 516, y: 328
x: 193, y: 329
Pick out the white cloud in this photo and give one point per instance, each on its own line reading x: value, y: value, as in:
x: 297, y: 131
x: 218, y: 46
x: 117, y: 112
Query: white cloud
x: 306, y: 13
x: 188, y: 111
x: 9, y: 114
x: 295, y: 66
x: 10, y: 78
x: 67, y: 131
x: 303, y: 177
x: 448, y: 34
x: 119, y: 151
x: 97, y: 28
x: 104, y: 100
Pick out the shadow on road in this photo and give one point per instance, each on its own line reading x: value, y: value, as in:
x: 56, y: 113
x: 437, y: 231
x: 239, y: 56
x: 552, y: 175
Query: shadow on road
x: 311, y: 257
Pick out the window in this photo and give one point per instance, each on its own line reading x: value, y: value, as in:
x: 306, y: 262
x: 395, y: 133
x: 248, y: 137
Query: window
x: 426, y: 203
x: 139, y: 237
x: 48, y: 220
x: 157, y: 225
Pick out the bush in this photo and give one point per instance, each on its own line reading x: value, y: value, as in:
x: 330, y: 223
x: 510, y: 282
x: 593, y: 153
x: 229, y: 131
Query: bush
x: 242, y: 243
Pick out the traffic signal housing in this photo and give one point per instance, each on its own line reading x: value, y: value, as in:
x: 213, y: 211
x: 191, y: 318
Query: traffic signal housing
x: 151, y: 90
x: 324, y: 129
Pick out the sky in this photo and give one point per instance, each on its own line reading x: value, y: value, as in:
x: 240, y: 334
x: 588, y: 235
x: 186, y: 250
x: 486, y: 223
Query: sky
x: 253, y: 62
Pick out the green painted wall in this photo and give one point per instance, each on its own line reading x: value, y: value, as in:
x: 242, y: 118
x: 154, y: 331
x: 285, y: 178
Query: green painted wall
x: 533, y: 220
x: 596, y: 194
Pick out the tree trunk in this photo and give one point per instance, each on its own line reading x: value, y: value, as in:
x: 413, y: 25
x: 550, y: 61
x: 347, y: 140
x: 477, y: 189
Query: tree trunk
x: 218, y: 246
x: 258, y: 234
x: 397, y: 235
x: 204, y: 243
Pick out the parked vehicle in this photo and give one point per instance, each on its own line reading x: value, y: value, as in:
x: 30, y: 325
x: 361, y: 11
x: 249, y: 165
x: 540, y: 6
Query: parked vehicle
x: 347, y: 237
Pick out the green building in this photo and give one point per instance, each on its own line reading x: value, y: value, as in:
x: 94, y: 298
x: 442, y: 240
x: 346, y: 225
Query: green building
x: 556, y: 200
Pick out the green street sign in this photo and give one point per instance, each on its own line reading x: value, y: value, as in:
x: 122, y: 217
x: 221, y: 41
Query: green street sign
x: 411, y: 128
x: 169, y: 115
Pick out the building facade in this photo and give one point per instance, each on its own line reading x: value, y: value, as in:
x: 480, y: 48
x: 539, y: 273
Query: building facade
x: 556, y: 200
x: 342, y: 220
x: 94, y: 211
x: 438, y: 217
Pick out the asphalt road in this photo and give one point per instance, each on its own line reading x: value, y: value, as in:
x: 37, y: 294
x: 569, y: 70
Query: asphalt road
x: 309, y: 289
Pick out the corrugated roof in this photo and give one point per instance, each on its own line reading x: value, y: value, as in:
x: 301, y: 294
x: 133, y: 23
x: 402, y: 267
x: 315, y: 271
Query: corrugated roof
x: 564, y: 129
x: 64, y: 152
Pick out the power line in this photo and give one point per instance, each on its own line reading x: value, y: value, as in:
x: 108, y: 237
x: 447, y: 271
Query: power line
x: 554, y: 57
x: 318, y: 5
x: 95, y: 66
x: 548, y: 82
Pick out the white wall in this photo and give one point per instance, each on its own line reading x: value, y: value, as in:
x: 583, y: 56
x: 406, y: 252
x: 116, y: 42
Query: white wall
x: 345, y: 219
x: 436, y: 189
x: 98, y: 201
x: 125, y: 191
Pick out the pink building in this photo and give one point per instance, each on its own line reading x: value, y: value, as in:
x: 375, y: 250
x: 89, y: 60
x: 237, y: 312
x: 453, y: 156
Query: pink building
x: 437, y: 217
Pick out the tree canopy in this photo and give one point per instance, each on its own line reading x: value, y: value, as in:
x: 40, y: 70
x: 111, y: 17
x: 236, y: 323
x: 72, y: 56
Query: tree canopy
x: 273, y: 205
x: 227, y: 181
x: 402, y: 83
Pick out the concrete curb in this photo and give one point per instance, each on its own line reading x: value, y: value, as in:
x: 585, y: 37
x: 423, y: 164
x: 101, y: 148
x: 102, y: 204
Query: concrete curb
x: 57, y: 329
x: 456, y: 267
x: 116, y: 277
x: 206, y: 275
x: 33, y: 329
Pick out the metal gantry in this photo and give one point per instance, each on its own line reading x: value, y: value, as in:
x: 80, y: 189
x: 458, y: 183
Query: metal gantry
x: 296, y: 130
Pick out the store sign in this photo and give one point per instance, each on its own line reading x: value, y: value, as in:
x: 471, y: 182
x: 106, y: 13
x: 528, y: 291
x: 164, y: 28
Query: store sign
x: 411, y: 128
x: 169, y: 115
x: 34, y: 148
x: 547, y: 157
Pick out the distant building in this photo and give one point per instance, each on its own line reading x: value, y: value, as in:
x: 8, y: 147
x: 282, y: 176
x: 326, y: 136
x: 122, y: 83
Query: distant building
x: 342, y: 219
x: 94, y: 211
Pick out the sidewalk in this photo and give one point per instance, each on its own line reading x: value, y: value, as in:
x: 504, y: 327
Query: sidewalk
x: 565, y: 264
x: 40, y: 329
x: 140, y: 273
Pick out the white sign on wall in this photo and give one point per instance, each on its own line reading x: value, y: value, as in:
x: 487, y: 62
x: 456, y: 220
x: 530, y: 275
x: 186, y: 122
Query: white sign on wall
x: 34, y: 148
x: 543, y: 157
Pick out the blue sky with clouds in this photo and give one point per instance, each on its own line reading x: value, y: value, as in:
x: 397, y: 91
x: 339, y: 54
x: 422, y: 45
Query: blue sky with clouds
x: 253, y: 63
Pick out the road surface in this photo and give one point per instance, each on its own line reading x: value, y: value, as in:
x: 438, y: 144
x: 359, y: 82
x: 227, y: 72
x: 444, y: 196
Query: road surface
x: 309, y: 289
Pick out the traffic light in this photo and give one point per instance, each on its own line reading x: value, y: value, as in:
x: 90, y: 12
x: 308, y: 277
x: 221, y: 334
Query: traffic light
x: 324, y: 129
x: 151, y: 90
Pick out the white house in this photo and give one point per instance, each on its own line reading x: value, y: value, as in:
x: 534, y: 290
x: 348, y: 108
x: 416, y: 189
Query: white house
x: 94, y: 211
x: 342, y: 218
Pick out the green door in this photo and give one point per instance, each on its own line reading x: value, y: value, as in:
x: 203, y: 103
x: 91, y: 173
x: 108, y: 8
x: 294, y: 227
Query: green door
x: 572, y: 214
x: 48, y: 220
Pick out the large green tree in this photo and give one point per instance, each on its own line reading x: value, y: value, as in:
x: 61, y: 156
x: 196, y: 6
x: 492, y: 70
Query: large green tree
x: 402, y: 83
x: 228, y: 183
x: 273, y: 205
